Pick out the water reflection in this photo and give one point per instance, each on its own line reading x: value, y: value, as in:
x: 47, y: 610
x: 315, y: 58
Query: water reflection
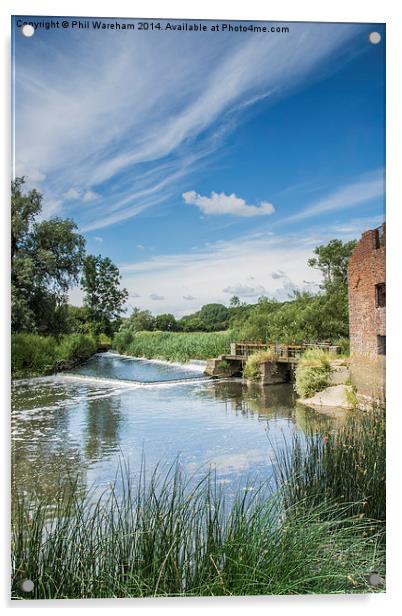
x: 64, y: 427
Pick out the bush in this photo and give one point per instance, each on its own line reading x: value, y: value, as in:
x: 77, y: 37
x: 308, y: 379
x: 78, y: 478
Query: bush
x: 252, y: 369
x: 33, y: 355
x: 76, y: 347
x: 344, y: 345
x: 313, y: 372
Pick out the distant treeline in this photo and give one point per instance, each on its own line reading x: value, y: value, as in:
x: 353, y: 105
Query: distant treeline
x: 48, y: 257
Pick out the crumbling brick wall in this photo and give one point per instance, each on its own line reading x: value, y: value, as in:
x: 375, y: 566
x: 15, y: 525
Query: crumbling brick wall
x: 366, y: 275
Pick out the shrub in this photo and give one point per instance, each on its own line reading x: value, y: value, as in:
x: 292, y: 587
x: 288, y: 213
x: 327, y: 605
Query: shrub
x: 252, y: 369
x: 344, y: 345
x: 76, y: 346
x: 32, y: 353
x: 313, y: 372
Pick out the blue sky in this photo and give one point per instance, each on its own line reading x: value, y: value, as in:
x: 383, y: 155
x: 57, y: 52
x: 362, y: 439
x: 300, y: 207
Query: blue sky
x: 205, y: 164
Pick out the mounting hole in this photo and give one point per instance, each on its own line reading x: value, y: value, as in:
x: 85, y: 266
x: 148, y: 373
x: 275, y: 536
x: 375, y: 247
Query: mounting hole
x: 374, y: 579
x: 28, y: 30
x: 374, y: 38
x: 27, y: 586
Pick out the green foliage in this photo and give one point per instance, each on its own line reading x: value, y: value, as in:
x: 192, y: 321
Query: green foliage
x: 306, y: 317
x: 214, y: 316
x: 77, y: 347
x: 332, y: 260
x: 172, y: 346
x: 78, y: 319
x: 252, y: 369
x: 346, y: 466
x: 166, y: 538
x: 103, y: 297
x: 313, y: 372
x: 139, y: 320
x: 223, y: 365
x: 46, y: 258
x: 192, y: 323
x: 351, y: 397
x: 165, y: 322
x: 33, y: 355
x: 344, y: 346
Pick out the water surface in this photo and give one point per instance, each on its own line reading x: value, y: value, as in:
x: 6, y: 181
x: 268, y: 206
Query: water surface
x: 113, y: 407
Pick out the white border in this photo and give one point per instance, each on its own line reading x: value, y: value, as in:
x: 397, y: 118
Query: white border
x: 296, y: 10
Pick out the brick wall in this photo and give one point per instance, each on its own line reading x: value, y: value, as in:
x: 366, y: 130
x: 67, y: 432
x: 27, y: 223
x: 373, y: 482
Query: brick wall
x: 366, y: 270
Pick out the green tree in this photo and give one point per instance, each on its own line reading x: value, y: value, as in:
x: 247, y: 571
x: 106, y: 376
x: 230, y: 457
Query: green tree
x: 234, y: 301
x: 165, y: 322
x: 46, y: 258
x: 103, y: 297
x: 332, y: 260
x: 140, y: 320
x: 215, y: 316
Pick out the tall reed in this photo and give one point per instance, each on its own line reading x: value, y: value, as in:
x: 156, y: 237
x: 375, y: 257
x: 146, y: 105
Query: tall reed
x: 346, y: 466
x: 174, y: 346
x: 166, y: 537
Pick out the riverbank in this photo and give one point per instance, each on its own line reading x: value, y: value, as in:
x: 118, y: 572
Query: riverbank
x: 33, y: 355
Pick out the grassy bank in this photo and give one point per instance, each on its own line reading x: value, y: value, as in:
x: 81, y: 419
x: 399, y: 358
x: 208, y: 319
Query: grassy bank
x: 173, y: 346
x: 170, y: 540
x: 33, y: 355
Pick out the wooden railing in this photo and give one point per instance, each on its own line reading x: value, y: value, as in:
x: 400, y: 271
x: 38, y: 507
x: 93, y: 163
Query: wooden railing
x: 281, y: 351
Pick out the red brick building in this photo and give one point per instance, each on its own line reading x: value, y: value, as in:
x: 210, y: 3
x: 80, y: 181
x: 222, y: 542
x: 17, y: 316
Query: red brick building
x: 366, y: 281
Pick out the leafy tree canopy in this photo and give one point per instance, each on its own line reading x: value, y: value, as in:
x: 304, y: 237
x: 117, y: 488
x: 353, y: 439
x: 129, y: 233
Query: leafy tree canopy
x: 332, y: 260
x: 46, y: 258
x: 103, y: 296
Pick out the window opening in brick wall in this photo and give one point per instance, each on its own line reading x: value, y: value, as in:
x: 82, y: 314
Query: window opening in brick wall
x: 378, y: 237
x: 380, y: 295
x: 381, y: 345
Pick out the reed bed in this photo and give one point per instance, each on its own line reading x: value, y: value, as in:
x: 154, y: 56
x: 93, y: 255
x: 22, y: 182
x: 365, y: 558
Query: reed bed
x: 345, y: 466
x: 167, y: 537
x: 173, y: 346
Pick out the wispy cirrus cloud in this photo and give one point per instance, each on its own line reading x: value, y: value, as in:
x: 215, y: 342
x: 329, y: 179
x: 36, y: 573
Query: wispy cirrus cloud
x: 125, y: 124
x: 220, y: 204
x: 363, y: 190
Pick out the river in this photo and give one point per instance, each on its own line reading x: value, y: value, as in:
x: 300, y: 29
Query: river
x: 113, y: 408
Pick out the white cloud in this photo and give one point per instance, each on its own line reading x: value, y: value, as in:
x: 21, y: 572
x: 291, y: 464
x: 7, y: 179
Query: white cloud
x: 155, y: 128
x: 90, y: 195
x: 189, y: 298
x: 97, y: 238
x: 278, y: 274
x: 72, y: 194
x: 156, y: 297
x: 245, y: 290
x: 220, y: 266
x: 220, y: 203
